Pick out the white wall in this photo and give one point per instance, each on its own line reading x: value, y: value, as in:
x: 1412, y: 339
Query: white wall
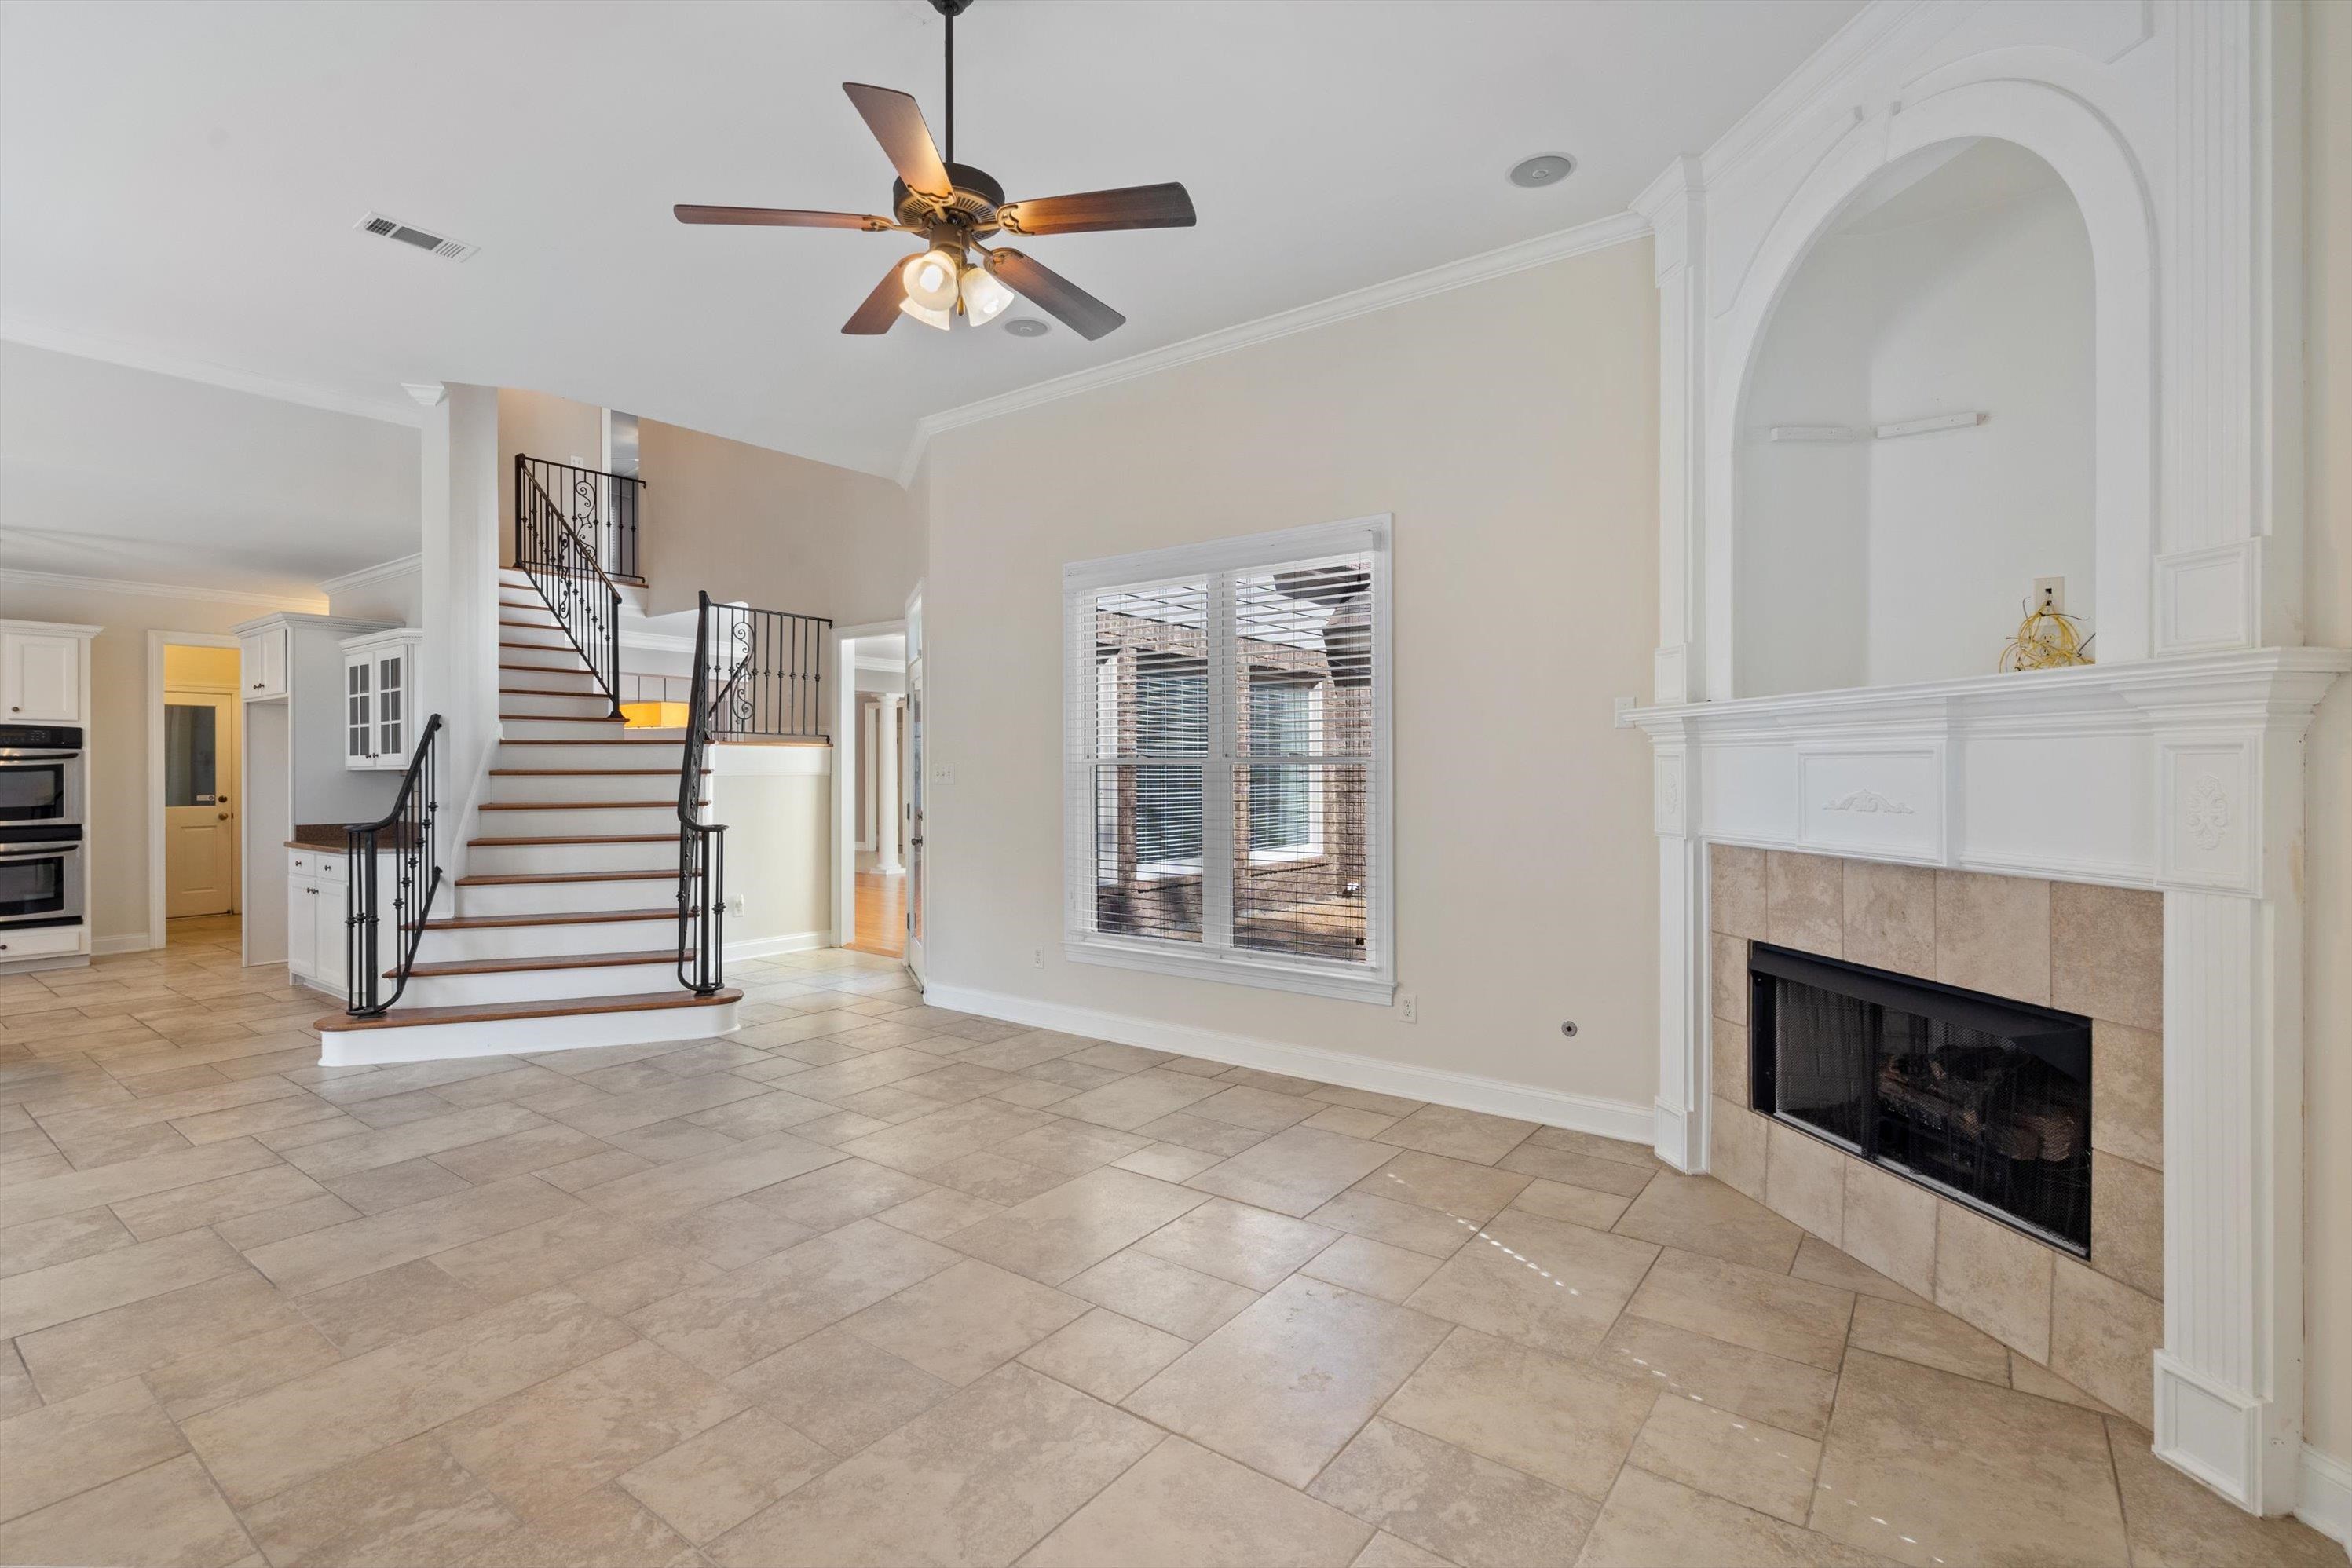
x: 1882, y: 562
x: 461, y: 556
x: 1511, y: 429
x: 2327, y: 784
x: 775, y: 801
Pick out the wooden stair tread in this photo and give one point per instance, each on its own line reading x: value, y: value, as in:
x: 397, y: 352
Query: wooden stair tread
x: 498, y: 1012
x: 571, y: 718
x: 583, y: 740
x: 543, y: 692
x: 513, y: 841
x: 558, y: 961
x: 585, y: 772
x: 661, y: 805
x: 569, y: 917
x: 538, y: 878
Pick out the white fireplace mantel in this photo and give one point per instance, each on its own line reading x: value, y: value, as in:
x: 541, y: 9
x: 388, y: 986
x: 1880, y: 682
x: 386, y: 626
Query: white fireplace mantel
x: 2152, y: 774
x: 2177, y: 128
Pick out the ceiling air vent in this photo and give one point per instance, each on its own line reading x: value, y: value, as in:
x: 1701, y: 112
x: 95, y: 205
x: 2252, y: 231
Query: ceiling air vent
x: 392, y: 228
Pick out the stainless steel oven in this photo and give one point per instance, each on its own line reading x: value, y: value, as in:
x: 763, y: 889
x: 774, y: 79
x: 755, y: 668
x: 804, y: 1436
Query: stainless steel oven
x: 41, y: 876
x: 40, y: 776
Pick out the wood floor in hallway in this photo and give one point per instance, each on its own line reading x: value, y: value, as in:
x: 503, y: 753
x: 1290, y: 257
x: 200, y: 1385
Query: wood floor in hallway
x: 881, y: 915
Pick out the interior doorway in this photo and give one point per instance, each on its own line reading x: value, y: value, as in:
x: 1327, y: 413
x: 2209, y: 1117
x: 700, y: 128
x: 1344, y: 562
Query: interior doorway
x: 870, y: 839
x: 196, y: 744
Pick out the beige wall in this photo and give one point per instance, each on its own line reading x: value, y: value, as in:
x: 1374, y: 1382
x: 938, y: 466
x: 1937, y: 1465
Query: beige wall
x: 2327, y: 781
x: 776, y: 802
x: 777, y: 531
x: 541, y: 424
x: 1511, y: 429
x: 117, y: 827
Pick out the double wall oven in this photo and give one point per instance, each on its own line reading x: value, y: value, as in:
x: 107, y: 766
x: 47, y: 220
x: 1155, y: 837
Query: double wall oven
x: 41, y: 792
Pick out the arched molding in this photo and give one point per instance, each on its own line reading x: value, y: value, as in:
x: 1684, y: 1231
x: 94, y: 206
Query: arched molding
x: 2098, y: 169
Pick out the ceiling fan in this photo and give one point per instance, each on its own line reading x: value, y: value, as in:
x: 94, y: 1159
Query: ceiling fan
x: 953, y: 207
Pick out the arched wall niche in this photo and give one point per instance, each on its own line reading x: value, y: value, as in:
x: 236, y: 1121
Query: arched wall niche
x: 2093, y: 167
x: 1955, y: 284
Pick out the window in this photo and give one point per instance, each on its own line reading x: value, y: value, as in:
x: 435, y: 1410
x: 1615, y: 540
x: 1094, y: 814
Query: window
x: 1228, y: 761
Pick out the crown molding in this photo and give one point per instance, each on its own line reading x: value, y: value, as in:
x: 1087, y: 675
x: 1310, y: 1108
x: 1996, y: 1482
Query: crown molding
x: 1616, y: 229
x: 298, y: 603
x: 657, y: 642
x: 63, y: 341
x: 400, y: 566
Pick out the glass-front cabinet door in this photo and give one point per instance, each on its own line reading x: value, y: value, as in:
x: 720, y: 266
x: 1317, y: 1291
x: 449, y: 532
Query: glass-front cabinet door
x: 359, y: 710
x: 392, y: 683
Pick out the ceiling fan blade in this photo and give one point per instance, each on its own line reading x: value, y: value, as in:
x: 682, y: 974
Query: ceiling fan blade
x: 780, y: 217
x: 898, y: 123
x: 880, y: 312
x: 1167, y: 206
x: 1067, y: 303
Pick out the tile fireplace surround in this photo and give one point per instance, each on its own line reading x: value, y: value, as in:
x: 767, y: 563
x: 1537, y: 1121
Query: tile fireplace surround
x: 2098, y: 951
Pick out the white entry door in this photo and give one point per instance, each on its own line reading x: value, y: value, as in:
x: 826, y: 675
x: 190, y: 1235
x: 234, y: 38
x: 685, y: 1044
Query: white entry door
x: 915, y: 790
x: 199, y: 803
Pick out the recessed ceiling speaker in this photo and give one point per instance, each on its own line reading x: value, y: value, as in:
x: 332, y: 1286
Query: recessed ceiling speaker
x: 1543, y: 169
x: 1027, y: 327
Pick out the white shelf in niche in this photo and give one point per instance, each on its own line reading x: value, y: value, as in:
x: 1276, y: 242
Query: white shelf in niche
x: 1831, y: 433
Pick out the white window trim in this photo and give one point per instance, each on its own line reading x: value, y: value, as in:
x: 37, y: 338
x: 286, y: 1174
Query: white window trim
x: 1374, y: 982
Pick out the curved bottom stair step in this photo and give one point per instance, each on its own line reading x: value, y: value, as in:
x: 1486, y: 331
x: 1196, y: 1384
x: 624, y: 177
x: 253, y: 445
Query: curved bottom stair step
x: 523, y: 1028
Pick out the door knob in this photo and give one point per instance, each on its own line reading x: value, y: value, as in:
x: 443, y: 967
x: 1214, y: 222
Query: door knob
x: 224, y: 816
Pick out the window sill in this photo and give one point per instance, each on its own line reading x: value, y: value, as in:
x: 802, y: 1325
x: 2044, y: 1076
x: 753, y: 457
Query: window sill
x: 1234, y: 969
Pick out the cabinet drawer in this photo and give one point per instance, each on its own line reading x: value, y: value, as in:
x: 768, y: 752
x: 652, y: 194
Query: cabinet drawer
x: 334, y: 867
x: 39, y: 942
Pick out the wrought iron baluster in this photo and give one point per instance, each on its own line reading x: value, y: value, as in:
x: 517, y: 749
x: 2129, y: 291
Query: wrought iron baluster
x: 417, y: 877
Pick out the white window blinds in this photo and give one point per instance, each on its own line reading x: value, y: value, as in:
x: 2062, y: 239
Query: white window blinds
x: 1227, y: 759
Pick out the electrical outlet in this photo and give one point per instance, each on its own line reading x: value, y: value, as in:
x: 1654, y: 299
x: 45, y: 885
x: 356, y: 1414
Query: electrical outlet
x: 1411, y: 1005
x: 2049, y: 593
x: 1036, y: 958
x: 734, y: 904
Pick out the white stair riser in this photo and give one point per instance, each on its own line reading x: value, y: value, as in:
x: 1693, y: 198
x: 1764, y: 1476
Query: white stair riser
x: 589, y: 753
x: 447, y: 945
x: 520, y: 1036
x: 551, y: 678
x: 541, y: 821
x: 557, y: 897
x: 537, y: 985
x: 528, y: 726
x: 534, y: 636
x: 656, y: 787
x: 530, y: 609
x: 539, y: 704
x: 514, y: 860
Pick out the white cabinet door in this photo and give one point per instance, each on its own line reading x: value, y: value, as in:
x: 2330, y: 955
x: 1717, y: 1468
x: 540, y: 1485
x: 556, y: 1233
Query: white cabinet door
x: 329, y: 911
x: 395, y: 669
x: 302, y: 918
x: 40, y: 678
x: 359, y: 710
x: 264, y: 663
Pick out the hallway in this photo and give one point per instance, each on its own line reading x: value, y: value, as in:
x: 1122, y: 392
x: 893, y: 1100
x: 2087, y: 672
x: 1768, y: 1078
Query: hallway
x: 881, y: 915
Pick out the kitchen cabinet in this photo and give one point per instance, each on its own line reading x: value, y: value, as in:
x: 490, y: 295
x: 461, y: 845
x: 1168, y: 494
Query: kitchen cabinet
x: 318, y: 909
x: 264, y: 662
x: 43, y: 677
x: 380, y: 698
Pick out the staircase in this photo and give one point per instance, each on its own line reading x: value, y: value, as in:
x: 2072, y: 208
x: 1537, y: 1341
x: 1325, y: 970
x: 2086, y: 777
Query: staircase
x: 565, y: 929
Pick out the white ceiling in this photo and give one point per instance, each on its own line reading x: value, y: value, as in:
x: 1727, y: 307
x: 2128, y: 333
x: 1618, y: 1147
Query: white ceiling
x: 178, y: 181
x: 114, y: 472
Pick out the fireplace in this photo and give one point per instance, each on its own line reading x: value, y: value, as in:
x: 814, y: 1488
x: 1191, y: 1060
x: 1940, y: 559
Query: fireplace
x: 1984, y: 1100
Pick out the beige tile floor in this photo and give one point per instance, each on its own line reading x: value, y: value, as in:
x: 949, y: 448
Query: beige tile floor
x: 873, y: 1284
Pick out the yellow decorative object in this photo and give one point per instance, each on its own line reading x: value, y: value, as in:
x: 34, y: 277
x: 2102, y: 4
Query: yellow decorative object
x: 653, y: 715
x: 2048, y: 640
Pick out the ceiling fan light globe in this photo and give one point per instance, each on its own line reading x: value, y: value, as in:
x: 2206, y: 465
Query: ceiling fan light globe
x: 985, y: 298
x: 930, y: 279
x: 944, y: 320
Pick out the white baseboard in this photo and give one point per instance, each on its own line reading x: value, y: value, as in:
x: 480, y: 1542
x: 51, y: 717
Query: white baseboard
x: 130, y: 942
x: 769, y: 946
x: 1464, y: 1091
x: 2324, y: 1497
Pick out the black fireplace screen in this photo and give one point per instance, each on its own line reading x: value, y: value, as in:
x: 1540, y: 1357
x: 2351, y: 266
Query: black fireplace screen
x: 1985, y: 1099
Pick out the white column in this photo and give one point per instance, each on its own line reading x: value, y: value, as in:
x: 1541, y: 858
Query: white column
x: 1683, y: 1122
x: 2229, y: 1378
x: 888, y: 830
